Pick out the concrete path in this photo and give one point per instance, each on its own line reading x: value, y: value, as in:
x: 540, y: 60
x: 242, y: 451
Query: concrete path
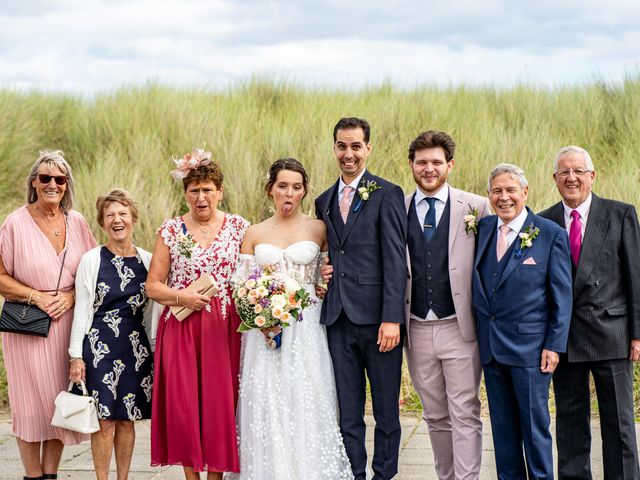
x: 416, y: 456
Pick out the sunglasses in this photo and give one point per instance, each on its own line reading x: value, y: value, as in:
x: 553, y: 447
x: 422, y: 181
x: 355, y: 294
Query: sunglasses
x: 45, y: 179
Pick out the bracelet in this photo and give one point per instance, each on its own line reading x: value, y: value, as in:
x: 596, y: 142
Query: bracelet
x: 74, y: 359
x: 178, y: 297
x: 30, y: 296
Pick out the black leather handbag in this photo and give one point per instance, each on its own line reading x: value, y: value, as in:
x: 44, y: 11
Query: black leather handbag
x: 20, y: 317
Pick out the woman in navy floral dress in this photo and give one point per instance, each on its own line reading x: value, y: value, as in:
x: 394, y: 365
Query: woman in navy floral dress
x: 109, y: 344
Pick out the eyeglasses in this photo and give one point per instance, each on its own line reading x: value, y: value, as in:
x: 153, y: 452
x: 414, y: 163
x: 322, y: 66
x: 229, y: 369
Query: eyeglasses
x: 578, y: 173
x: 45, y: 179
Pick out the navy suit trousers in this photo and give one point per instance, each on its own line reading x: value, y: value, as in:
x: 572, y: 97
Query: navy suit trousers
x: 518, y: 398
x: 353, y: 352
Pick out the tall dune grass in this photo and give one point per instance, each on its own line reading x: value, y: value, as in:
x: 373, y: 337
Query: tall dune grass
x: 127, y: 137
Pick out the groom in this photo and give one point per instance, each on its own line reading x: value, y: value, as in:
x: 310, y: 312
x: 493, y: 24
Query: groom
x: 363, y: 309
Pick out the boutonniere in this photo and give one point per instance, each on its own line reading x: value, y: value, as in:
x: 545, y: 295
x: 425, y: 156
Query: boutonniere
x: 527, y: 236
x: 186, y: 243
x: 364, y: 191
x: 471, y: 221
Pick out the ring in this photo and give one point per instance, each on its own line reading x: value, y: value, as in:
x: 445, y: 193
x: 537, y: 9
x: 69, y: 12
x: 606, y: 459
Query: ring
x: 271, y: 334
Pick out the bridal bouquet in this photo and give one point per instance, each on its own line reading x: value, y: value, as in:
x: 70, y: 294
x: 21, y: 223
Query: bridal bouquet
x: 268, y: 298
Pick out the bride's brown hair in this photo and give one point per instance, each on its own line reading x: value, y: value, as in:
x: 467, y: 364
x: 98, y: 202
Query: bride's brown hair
x: 288, y: 163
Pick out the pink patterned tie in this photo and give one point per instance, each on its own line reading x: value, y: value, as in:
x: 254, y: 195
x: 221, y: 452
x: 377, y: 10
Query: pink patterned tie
x: 501, y: 248
x: 345, y: 203
x: 575, y: 237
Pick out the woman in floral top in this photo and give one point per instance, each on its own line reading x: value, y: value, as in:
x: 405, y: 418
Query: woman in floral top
x: 197, y: 359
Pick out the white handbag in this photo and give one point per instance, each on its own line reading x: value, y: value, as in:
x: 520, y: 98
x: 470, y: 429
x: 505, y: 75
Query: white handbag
x: 76, y: 412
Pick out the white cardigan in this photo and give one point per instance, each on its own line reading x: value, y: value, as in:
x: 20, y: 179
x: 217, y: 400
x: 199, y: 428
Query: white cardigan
x: 86, y: 280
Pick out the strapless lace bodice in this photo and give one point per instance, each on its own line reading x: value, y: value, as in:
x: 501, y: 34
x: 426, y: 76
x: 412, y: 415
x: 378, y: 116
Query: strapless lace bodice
x: 300, y: 260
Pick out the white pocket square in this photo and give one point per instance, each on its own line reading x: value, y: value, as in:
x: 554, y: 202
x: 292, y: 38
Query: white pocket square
x: 529, y: 261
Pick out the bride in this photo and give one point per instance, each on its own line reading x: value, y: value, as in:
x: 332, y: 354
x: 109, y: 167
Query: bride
x: 287, y: 412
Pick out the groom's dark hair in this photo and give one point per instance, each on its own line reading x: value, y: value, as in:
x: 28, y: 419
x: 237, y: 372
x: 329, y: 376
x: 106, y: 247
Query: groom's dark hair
x: 352, y: 122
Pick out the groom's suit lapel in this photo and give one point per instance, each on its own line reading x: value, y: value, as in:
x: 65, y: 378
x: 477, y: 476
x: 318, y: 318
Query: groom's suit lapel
x: 326, y: 208
x: 357, y: 205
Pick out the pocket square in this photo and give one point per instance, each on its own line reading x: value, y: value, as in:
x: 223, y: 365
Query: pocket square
x: 529, y: 261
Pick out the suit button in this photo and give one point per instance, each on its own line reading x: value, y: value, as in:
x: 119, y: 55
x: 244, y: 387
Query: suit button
x: 341, y: 252
x: 492, y: 317
x: 428, y: 278
x: 493, y: 290
x: 591, y: 308
x: 597, y: 283
x: 495, y: 274
x: 407, y: 302
x: 429, y: 252
x: 430, y: 290
x: 428, y: 265
x: 342, y: 274
x: 430, y: 302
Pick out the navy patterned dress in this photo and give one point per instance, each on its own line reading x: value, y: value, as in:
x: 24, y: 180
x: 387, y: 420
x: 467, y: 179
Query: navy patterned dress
x: 116, y: 350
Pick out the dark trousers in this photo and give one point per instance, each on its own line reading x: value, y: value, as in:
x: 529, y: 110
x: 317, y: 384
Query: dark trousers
x: 614, y: 388
x: 518, y: 408
x: 354, y: 351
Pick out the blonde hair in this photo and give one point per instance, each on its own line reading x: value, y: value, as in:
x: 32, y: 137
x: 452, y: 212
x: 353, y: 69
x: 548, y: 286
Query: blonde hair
x: 52, y: 158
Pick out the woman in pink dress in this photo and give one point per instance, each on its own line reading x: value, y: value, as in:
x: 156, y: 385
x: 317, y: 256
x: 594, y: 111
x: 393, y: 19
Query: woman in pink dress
x: 33, y: 242
x: 196, y: 360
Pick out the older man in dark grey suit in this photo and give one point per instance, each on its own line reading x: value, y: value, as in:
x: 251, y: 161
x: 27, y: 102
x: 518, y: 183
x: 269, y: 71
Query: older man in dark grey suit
x: 604, y: 337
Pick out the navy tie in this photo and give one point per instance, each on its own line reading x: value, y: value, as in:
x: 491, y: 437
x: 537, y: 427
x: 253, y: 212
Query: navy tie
x: 429, y: 224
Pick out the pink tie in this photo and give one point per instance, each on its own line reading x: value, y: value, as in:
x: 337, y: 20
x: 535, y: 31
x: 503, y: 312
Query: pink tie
x: 501, y: 248
x: 345, y: 203
x: 575, y: 237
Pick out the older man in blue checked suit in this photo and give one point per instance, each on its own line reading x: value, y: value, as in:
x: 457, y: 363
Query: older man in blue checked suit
x: 363, y: 310
x: 522, y: 297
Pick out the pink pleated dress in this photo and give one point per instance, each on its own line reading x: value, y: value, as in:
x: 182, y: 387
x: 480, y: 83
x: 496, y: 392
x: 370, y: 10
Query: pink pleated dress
x: 38, y: 368
x: 195, y: 389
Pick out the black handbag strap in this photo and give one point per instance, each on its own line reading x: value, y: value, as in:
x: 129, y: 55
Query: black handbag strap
x: 64, y: 257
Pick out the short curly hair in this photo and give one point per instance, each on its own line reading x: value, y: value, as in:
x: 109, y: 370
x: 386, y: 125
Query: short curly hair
x: 116, y: 195
x: 210, y: 172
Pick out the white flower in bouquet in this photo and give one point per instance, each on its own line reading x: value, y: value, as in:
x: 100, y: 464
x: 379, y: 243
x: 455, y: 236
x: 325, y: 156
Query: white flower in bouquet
x: 290, y: 285
x: 242, y: 292
x: 261, y: 291
x: 278, y: 301
x: 276, y: 312
x: 257, y: 308
x: 260, y: 321
x: 286, y: 317
x: 250, y: 283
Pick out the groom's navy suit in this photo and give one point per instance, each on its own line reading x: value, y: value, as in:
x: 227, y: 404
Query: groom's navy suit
x: 367, y: 288
x: 522, y: 305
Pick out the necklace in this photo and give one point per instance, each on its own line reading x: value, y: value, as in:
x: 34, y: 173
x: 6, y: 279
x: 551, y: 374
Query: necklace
x: 56, y: 231
x: 202, y: 227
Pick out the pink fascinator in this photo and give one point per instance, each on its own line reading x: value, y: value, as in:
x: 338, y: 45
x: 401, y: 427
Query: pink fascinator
x: 189, y: 162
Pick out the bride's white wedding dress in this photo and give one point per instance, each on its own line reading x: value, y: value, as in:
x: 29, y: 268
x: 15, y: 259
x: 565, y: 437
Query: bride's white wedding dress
x: 287, y: 412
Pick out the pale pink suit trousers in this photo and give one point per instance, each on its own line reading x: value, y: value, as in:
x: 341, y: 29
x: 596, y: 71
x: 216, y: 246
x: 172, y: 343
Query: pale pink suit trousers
x: 445, y: 370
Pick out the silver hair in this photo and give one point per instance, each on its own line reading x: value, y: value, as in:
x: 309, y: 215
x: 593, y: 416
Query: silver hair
x: 508, y: 168
x: 573, y: 149
x: 52, y: 158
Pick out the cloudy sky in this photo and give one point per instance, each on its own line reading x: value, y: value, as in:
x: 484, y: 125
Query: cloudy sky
x: 94, y: 45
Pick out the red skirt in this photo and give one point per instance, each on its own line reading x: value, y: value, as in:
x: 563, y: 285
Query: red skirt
x: 195, y: 391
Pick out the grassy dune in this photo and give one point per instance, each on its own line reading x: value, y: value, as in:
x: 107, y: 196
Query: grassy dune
x: 127, y: 138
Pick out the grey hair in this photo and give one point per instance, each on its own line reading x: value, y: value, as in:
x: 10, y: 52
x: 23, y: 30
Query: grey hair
x: 573, y: 149
x: 52, y: 158
x: 508, y: 168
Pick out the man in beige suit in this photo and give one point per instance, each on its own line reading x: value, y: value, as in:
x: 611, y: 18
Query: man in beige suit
x: 442, y: 352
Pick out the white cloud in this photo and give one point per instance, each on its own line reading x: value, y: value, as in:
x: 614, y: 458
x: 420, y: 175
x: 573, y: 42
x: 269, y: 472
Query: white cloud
x: 92, y: 45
